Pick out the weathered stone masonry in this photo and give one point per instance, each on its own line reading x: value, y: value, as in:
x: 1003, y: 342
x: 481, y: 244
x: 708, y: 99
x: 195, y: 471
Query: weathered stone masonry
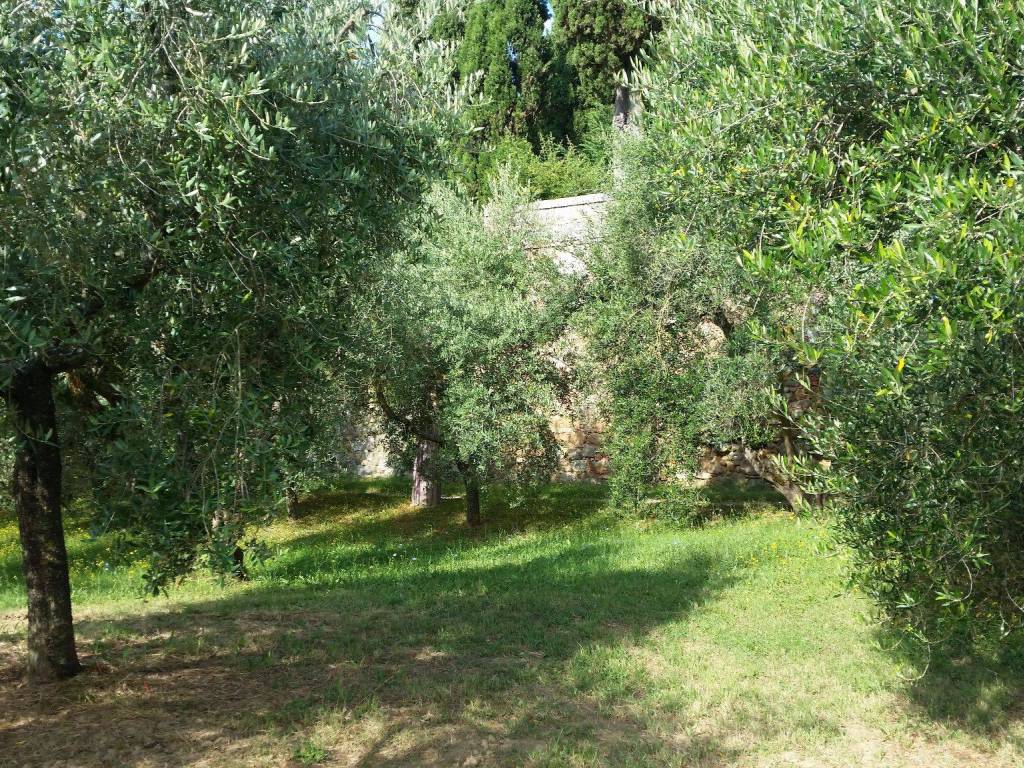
x: 572, y: 225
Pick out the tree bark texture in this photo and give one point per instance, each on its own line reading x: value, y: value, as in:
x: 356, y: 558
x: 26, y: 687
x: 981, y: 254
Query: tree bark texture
x: 762, y: 463
x: 622, y: 110
x: 426, y: 484
x: 238, y: 558
x: 36, y: 489
x: 292, y: 501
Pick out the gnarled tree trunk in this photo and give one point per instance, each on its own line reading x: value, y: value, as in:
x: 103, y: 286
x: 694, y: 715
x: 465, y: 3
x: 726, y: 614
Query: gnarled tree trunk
x: 239, y: 570
x: 36, y: 488
x: 291, y: 501
x: 622, y: 110
x: 765, y: 466
x: 426, y: 483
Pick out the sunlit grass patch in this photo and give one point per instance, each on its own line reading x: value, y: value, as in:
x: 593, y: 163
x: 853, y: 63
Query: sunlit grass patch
x: 562, y: 634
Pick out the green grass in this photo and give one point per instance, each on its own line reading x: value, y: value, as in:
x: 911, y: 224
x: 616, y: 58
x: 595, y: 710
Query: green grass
x: 559, y: 635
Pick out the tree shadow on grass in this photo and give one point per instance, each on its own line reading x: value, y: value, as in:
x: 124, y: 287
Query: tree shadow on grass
x: 380, y: 527
x: 726, y: 493
x: 350, y: 499
x: 432, y: 665
x: 979, y: 690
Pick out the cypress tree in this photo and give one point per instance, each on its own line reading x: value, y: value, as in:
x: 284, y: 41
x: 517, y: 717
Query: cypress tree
x: 601, y: 36
x: 504, y: 41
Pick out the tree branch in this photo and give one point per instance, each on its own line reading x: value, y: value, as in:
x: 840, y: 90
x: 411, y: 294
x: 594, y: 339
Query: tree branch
x: 404, y: 421
x: 353, y: 20
x: 58, y: 357
x: 151, y: 267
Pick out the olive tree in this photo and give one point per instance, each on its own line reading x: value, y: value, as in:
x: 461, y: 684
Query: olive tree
x: 674, y: 312
x: 189, y: 197
x: 917, y: 218
x: 861, y: 161
x: 463, y: 331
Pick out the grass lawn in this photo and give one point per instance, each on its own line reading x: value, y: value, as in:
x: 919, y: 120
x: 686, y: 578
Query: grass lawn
x: 558, y: 635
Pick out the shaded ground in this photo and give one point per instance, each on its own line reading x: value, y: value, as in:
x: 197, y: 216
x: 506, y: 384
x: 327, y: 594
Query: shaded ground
x: 559, y: 635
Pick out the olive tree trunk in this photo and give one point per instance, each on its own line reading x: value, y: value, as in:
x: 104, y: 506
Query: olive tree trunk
x: 36, y: 489
x: 239, y: 570
x: 291, y: 501
x: 473, y: 518
x: 622, y: 111
x: 763, y: 463
x: 426, y: 483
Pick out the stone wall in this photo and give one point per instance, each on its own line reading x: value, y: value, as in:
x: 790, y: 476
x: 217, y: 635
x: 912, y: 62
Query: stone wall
x: 571, y: 225
x: 365, y: 453
x: 582, y: 450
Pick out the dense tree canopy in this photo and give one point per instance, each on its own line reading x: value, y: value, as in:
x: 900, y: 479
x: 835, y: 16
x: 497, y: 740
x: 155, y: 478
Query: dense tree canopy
x: 601, y: 37
x: 504, y: 44
x: 862, y: 162
x: 190, y: 197
x: 915, y: 214
x: 538, y: 82
x: 230, y: 231
x: 464, y: 331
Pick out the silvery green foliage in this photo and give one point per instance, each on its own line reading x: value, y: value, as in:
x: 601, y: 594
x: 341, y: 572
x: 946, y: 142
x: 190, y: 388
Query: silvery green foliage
x: 673, y: 310
x: 193, y: 193
x: 876, y: 147
x: 463, y: 329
